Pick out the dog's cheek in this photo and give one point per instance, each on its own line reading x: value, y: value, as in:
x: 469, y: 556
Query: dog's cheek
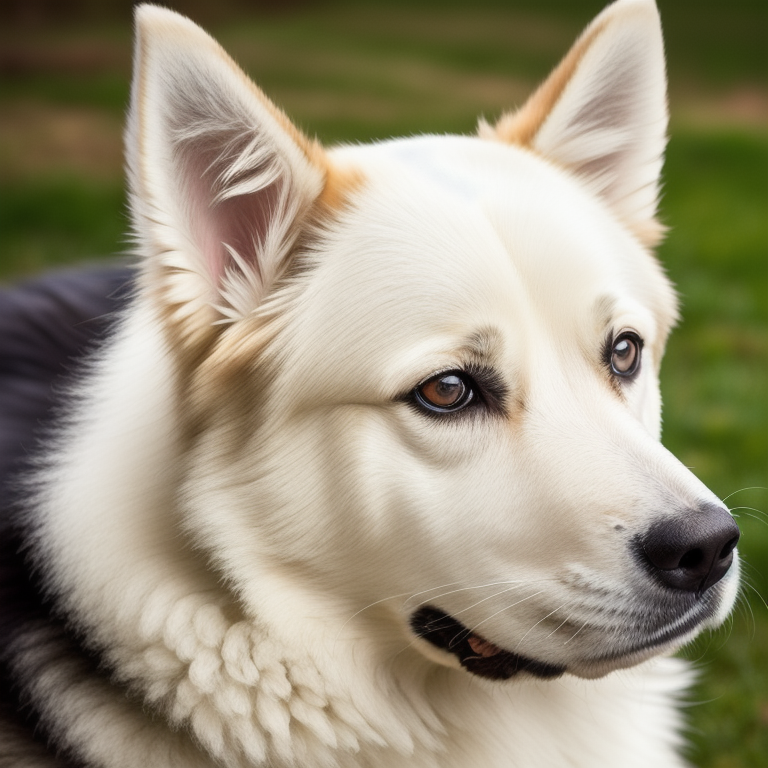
x: 645, y: 401
x: 382, y: 503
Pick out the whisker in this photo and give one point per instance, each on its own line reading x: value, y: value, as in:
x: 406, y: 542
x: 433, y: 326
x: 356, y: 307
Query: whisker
x: 536, y: 625
x: 461, y: 589
x: 702, y: 645
x: 402, y: 594
x: 757, y: 592
x: 506, y: 608
x: 490, y: 597
x: 750, y: 613
x: 365, y: 608
x: 749, y: 488
x: 414, y: 595
x: 750, y: 572
x: 575, y: 633
x: 729, y: 625
x: 467, y: 632
x: 562, y: 623
x: 763, y: 520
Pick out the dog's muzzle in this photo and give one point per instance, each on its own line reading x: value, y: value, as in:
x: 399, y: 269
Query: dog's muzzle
x: 685, y: 555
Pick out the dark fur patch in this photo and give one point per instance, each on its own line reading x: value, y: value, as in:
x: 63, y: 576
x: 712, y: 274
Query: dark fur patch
x: 46, y: 327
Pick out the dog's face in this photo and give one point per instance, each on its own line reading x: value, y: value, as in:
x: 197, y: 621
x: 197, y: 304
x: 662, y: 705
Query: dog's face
x: 436, y: 387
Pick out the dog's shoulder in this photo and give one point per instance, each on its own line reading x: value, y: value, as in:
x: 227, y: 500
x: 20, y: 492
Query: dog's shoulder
x: 47, y: 325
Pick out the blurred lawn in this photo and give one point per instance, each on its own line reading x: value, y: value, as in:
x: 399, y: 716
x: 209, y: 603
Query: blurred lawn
x: 370, y: 70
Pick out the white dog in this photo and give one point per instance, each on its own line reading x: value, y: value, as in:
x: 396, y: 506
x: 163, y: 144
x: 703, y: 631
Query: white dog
x: 369, y: 474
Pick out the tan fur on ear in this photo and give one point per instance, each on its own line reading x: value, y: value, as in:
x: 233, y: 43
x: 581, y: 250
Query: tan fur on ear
x: 602, y: 115
x: 340, y: 184
x: 520, y: 126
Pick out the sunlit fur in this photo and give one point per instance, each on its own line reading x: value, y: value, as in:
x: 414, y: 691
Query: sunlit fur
x: 244, y: 507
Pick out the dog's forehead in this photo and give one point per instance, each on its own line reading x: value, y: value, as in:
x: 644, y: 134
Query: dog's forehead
x: 500, y: 219
x: 449, y: 240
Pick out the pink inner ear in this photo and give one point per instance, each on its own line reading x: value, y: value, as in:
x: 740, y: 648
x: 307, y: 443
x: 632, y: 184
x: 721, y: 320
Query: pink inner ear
x: 216, y: 220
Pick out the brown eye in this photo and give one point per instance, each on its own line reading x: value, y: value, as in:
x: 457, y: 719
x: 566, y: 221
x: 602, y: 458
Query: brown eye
x: 625, y: 354
x: 445, y: 392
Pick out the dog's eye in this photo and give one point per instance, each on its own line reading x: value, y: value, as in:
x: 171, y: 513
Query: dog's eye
x: 625, y: 354
x: 445, y: 392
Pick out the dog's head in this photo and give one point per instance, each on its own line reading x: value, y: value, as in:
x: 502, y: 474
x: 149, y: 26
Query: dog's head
x: 422, y: 374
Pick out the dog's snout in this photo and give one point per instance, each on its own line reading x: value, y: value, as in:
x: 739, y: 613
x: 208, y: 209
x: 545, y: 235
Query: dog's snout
x: 694, y: 550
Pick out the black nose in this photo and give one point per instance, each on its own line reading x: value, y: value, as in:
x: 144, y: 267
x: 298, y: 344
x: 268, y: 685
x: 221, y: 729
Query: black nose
x: 693, y: 550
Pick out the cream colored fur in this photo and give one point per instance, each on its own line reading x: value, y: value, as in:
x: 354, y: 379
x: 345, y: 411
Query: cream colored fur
x: 244, y: 510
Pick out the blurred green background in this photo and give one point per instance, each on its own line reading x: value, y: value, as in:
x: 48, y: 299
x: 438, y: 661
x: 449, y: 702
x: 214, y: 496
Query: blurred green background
x: 358, y: 71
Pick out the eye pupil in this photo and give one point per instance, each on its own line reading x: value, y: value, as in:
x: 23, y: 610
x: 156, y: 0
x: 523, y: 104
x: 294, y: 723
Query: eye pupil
x: 448, y: 389
x: 446, y: 392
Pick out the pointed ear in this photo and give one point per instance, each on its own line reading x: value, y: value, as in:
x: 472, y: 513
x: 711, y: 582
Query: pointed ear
x: 602, y: 113
x: 220, y: 179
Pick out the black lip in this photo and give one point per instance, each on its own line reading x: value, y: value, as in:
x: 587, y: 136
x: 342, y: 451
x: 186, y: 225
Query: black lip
x: 444, y: 632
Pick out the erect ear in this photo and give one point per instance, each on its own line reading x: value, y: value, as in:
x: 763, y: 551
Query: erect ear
x: 220, y: 179
x: 602, y: 113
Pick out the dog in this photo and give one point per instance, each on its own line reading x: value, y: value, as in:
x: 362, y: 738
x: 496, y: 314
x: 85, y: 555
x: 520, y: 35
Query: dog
x: 367, y: 470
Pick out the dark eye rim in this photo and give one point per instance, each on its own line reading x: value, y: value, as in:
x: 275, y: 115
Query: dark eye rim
x: 637, y: 340
x: 490, y: 394
x: 469, y: 396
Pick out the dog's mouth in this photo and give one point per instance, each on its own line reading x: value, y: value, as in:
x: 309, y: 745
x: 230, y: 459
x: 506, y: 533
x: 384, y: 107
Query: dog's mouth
x: 476, y: 654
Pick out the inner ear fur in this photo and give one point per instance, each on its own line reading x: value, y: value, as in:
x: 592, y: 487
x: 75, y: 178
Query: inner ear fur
x: 221, y: 181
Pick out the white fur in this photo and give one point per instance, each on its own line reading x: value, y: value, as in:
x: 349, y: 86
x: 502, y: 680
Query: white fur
x: 243, y: 514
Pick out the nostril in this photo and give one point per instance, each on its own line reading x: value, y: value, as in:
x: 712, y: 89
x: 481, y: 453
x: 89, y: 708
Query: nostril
x: 691, y: 559
x: 729, y: 547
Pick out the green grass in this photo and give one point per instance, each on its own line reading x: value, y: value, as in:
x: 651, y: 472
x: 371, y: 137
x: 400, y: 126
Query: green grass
x: 715, y: 380
x: 361, y: 71
x: 61, y: 220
